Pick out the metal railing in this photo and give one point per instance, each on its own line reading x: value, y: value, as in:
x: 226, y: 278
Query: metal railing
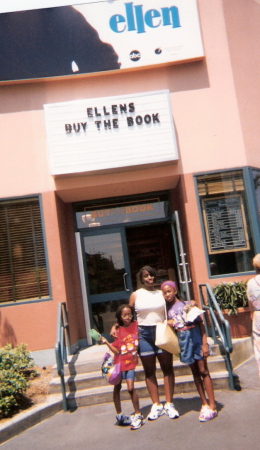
x: 62, y: 348
x: 217, y: 327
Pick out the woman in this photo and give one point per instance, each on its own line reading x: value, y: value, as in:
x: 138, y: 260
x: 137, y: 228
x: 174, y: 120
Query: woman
x: 149, y: 306
x: 253, y: 295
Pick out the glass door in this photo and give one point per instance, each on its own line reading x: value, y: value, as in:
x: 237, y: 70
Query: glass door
x: 182, y: 265
x: 107, y: 271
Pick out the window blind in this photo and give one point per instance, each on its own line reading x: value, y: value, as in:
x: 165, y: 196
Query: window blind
x: 23, y: 274
x: 215, y: 184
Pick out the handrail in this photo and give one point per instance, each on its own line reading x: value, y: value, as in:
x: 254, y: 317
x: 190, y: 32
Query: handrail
x: 219, y: 328
x: 62, y: 348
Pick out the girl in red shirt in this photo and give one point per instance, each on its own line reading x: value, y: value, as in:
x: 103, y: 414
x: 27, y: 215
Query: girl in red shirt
x: 125, y: 350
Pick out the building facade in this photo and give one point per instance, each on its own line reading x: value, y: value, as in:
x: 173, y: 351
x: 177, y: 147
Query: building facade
x: 115, y: 166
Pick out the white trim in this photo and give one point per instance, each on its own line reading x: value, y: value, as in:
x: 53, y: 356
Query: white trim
x: 83, y: 287
x: 24, y: 5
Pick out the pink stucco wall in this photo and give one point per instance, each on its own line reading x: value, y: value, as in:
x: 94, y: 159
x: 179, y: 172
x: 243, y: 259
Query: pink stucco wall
x: 243, y: 34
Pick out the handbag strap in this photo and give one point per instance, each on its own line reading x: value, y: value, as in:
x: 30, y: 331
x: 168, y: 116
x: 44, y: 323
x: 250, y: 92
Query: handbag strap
x: 118, y: 337
x: 165, y: 311
x: 110, y: 351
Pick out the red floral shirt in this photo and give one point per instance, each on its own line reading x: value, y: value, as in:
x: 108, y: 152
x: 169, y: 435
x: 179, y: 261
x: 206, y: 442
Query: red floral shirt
x: 127, y: 344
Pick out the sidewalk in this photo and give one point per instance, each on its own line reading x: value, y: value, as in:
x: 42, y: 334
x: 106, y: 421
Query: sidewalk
x: 93, y: 427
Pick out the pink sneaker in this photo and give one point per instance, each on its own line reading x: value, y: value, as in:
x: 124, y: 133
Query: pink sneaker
x: 207, y: 414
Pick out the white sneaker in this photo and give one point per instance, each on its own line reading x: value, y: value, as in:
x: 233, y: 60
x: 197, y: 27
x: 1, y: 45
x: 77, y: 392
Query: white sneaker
x: 207, y: 414
x: 156, y: 411
x: 170, y: 410
x: 137, y: 422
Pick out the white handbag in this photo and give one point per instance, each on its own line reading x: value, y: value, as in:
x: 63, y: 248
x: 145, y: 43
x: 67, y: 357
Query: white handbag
x: 166, y: 338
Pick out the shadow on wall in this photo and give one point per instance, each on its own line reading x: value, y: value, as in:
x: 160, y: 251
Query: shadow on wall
x: 7, y: 334
x: 190, y: 76
x: 70, y: 268
x: 177, y: 78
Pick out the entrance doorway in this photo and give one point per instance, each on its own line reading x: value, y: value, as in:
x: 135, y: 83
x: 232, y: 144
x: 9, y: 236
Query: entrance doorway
x: 113, y: 259
x: 114, y: 241
x: 151, y: 245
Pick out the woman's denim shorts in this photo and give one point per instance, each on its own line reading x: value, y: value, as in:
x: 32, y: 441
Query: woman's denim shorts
x: 190, y: 344
x: 146, y: 336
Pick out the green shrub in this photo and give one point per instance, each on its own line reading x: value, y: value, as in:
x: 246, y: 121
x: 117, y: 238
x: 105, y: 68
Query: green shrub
x: 14, y: 362
x: 231, y: 295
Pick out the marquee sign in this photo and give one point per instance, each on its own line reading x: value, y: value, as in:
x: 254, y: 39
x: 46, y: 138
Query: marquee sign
x: 122, y: 214
x: 60, y: 38
x: 113, y: 132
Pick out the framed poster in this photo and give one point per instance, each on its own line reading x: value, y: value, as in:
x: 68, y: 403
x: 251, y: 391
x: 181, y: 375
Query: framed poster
x: 225, y: 224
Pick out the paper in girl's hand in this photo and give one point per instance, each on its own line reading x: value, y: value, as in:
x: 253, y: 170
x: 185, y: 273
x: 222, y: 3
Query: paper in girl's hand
x: 95, y: 335
x: 192, y: 313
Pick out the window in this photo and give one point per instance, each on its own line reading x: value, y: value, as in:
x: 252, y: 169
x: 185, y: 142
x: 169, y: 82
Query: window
x: 23, y: 273
x: 226, y: 224
x: 256, y: 178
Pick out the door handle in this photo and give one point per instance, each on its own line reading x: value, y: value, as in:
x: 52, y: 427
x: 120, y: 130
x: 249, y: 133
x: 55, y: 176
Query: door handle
x: 124, y: 278
x: 184, y: 273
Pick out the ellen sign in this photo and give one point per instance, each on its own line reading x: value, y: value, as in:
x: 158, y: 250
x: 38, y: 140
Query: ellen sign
x: 89, y: 37
x: 112, y: 132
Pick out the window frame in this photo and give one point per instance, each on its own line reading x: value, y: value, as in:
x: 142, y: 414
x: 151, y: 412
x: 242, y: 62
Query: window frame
x: 255, y: 216
x: 41, y: 220
x: 252, y: 216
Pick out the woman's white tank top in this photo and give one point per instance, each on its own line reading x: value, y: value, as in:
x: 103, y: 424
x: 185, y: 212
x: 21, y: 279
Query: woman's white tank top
x: 149, y: 307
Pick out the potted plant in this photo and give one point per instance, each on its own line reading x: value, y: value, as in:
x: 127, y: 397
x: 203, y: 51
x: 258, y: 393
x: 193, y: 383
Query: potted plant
x: 232, y: 300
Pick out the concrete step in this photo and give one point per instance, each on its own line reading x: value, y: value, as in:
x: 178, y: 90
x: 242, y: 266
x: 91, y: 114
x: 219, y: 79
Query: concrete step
x: 103, y: 394
x: 85, y: 385
x: 89, y: 359
x: 88, y: 380
x: 242, y: 351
